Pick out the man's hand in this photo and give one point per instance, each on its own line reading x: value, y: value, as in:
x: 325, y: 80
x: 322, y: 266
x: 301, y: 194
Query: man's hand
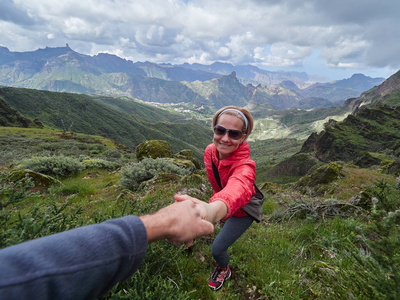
x: 179, y: 222
x: 212, y: 212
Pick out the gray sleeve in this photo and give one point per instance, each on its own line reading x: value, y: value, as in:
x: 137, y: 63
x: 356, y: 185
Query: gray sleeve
x: 82, y: 263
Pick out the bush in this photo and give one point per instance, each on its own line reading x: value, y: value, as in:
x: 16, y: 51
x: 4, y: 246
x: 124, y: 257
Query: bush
x: 135, y: 174
x: 153, y: 149
x: 97, y: 163
x: 57, y: 166
x: 112, y: 153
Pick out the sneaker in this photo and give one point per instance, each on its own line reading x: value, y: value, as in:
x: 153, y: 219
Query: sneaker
x: 218, y: 277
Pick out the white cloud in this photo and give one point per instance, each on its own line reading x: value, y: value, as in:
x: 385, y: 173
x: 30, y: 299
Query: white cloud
x: 224, y: 52
x: 345, y: 33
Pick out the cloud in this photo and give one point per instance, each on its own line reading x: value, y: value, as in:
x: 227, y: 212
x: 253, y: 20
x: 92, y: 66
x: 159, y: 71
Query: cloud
x: 285, y: 33
x: 11, y: 13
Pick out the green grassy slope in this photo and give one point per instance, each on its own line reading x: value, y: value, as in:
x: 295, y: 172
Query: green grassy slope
x: 299, y: 251
x: 375, y: 130
x: 80, y: 113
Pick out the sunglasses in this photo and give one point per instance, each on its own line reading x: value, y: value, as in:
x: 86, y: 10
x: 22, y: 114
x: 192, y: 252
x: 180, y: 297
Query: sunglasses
x: 232, y: 133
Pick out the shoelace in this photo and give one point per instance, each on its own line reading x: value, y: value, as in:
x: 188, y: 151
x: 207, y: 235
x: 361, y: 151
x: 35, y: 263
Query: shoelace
x: 219, y: 274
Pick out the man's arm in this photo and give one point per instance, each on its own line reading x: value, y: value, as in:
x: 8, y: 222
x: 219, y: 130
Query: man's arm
x: 85, y: 262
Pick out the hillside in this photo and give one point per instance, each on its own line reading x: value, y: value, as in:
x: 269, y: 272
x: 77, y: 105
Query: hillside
x: 85, y: 114
x: 369, y: 136
x: 375, y: 130
x: 12, y: 118
x: 337, y: 226
x: 305, y: 247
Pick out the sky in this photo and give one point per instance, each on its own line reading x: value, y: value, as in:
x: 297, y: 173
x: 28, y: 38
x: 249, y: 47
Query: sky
x: 327, y: 39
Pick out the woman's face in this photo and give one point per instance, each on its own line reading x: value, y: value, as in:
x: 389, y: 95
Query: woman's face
x: 224, y: 144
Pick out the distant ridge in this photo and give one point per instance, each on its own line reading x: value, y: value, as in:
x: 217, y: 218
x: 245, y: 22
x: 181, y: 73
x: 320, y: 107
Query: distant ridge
x: 62, y: 69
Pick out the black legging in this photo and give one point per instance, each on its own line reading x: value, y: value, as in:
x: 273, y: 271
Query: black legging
x: 233, y: 228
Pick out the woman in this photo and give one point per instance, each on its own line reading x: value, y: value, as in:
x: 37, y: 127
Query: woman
x: 230, y: 153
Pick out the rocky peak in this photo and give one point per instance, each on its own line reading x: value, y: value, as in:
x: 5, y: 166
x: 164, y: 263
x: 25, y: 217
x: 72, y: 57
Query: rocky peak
x: 375, y: 95
x: 389, y: 85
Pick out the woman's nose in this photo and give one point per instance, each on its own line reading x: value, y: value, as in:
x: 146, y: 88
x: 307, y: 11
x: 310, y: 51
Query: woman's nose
x: 225, y: 137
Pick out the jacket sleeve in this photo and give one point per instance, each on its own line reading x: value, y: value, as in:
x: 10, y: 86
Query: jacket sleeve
x: 238, y: 189
x: 82, y: 263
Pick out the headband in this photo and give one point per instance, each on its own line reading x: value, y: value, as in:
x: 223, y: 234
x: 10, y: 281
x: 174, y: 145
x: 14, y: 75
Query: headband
x: 239, y: 112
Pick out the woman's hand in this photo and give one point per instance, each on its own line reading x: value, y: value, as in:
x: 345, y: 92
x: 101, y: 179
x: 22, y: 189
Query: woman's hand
x: 212, y: 212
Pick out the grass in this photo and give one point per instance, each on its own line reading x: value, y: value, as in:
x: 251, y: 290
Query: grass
x: 308, y: 257
x: 355, y: 180
x: 301, y: 259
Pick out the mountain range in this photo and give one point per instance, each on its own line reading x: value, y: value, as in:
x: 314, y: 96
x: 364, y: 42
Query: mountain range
x: 62, y: 69
x: 368, y: 132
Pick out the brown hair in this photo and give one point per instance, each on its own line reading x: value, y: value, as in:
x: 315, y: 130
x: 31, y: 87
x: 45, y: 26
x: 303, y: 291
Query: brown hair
x: 232, y: 113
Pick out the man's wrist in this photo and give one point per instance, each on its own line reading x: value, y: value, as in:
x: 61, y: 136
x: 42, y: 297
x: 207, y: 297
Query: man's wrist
x: 158, y: 225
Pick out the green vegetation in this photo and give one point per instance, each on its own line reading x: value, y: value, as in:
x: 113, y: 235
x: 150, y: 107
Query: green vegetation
x: 330, y: 230
x: 84, y: 114
x: 369, y: 130
x: 325, y: 247
x: 133, y: 175
x: 268, y: 153
x: 57, y: 166
x: 297, y: 123
x: 17, y: 144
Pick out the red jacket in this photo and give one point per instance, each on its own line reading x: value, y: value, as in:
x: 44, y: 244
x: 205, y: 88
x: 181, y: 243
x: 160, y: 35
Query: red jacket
x: 237, y: 173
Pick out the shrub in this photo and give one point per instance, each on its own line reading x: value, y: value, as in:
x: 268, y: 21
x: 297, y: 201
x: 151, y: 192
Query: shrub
x: 97, y: 163
x: 57, y: 166
x: 326, y: 174
x: 112, y: 153
x: 153, y: 149
x: 133, y: 175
